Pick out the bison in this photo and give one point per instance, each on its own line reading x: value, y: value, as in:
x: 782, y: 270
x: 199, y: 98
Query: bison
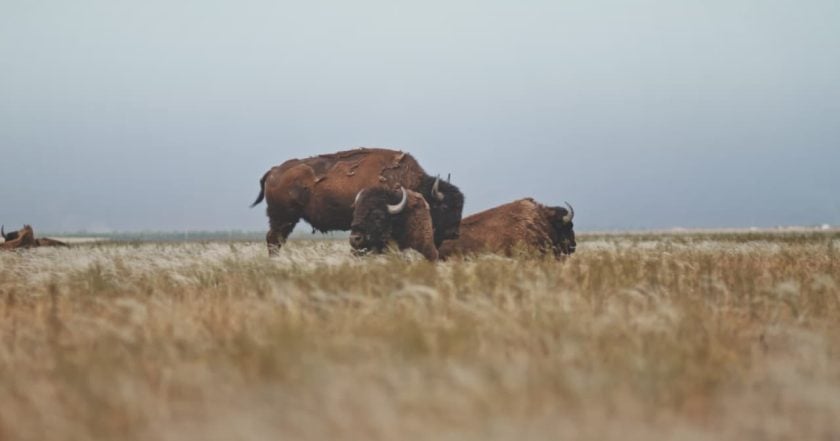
x: 9, y: 236
x: 321, y: 190
x: 380, y: 214
x: 25, y: 238
x: 524, y: 222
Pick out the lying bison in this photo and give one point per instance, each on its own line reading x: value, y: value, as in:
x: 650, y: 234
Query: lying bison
x: 380, y: 215
x: 321, y: 190
x: 25, y: 238
x: 522, y: 223
x: 13, y: 235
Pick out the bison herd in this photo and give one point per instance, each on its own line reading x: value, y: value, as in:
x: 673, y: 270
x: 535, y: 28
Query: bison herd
x: 382, y: 195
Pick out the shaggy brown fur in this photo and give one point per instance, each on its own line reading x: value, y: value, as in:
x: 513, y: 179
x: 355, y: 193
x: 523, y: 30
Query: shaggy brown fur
x: 321, y: 190
x: 373, y: 227
x: 523, y: 223
x: 25, y: 238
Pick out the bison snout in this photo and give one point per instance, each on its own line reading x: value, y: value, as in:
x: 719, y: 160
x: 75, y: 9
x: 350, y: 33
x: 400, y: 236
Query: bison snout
x: 357, y: 240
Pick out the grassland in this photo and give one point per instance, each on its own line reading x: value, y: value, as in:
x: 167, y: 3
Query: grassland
x: 689, y: 337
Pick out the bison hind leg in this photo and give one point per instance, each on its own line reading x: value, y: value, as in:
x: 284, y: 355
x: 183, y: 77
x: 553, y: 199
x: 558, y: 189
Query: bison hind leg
x: 281, y: 222
x: 277, y: 235
x: 272, y: 239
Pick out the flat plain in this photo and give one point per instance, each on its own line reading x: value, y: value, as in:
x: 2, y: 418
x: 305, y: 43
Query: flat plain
x: 691, y: 336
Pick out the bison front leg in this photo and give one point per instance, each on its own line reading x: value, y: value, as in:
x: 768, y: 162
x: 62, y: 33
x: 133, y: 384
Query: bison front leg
x: 429, y: 251
x: 424, y: 247
x: 420, y: 236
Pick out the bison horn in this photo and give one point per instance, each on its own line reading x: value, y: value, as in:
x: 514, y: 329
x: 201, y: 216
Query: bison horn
x: 435, y: 192
x: 397, y: 209
x: 358, y: 196
x: 568, y: 218
x: 2, y: 232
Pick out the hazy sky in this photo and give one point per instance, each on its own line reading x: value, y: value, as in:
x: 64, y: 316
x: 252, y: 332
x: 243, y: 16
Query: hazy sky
x: 163, y: 115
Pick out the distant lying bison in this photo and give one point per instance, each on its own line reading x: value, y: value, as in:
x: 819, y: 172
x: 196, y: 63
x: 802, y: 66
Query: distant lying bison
x: 25, y: 238
x: 321, y: 190
x: 523, y: 223
x: 381, y: 215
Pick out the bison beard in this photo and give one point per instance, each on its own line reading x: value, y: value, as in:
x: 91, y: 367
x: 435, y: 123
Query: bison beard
x: 520, y: 223
x: 381, y: 215
x: 321, y: 190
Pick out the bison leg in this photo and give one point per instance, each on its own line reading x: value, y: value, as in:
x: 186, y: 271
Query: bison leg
x: 277, y: 235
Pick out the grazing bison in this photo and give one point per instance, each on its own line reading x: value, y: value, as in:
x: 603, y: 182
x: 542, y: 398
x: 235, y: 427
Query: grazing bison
x: 520, y: 223
x: 321, y: 190
x: 25, y: 238
x: 380, y: 215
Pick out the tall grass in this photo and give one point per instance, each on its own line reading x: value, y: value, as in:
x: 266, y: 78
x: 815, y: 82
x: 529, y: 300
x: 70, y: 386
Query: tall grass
x: 673, y: 337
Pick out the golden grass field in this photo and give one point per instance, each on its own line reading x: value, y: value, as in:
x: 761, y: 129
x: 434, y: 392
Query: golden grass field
x: 637, y: 337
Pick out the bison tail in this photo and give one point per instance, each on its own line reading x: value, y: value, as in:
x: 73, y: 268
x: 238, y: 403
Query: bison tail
x: 261, y: 196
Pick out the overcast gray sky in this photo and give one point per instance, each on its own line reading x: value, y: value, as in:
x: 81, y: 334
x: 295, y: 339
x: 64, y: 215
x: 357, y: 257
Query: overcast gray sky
x: 163, y: 115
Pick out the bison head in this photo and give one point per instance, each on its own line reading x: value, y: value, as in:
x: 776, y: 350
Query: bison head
x: 561, y: 221
x: 446, y: 203
x: 373, y: 214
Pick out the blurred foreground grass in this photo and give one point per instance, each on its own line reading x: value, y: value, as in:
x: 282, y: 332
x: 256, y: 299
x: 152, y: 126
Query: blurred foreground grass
x: 636, y: 337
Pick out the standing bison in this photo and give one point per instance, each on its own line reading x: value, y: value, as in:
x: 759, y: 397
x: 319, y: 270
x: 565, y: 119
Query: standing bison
x: 380, y: 215
x: 524, y: 222
x: 321, y: 190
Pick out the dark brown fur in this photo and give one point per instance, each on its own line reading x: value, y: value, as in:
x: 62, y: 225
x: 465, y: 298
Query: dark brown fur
x: 25, y: 238
x: 522, y: 223
x: 373, y: 227
x: 321, y: 190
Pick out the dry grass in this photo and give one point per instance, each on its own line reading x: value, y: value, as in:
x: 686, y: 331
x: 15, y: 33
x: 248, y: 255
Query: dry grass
x: 674, y: 337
